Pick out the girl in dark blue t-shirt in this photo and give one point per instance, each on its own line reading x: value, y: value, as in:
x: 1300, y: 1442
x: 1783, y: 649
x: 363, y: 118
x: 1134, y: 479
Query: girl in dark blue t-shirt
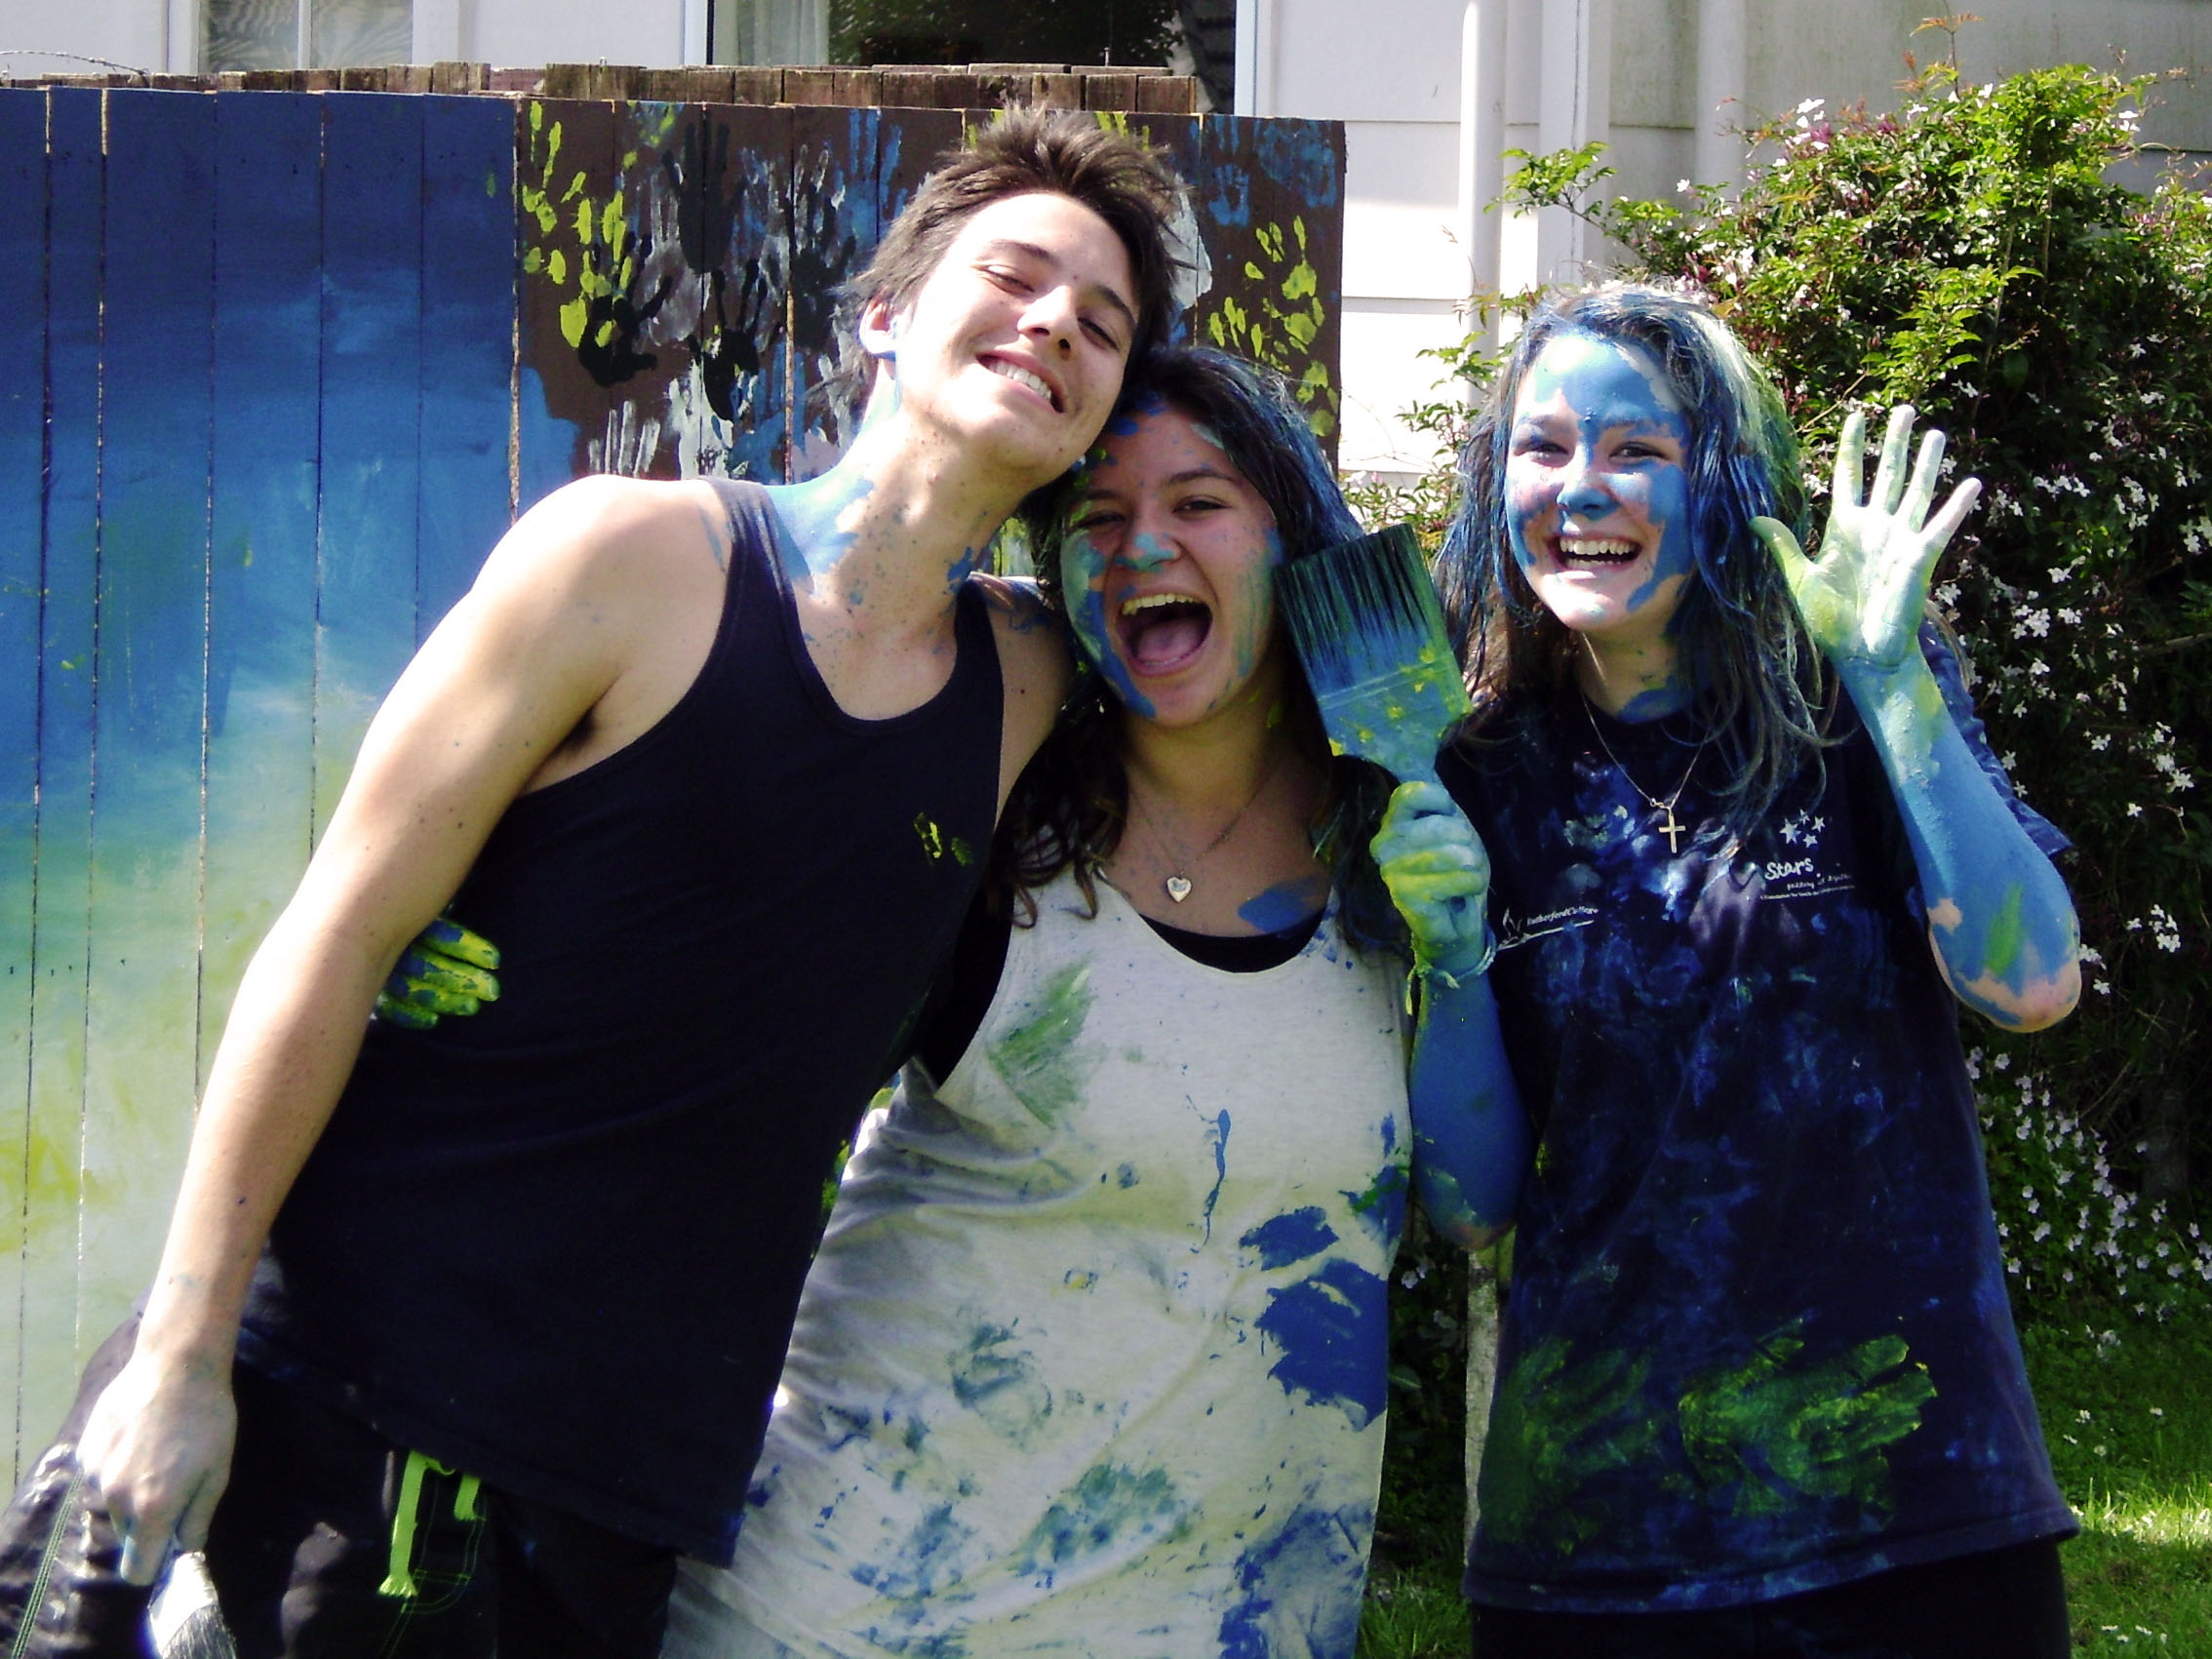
x: 1758, y: 1388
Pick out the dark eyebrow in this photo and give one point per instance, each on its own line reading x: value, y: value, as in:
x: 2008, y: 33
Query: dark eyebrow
x: 1044, y: 256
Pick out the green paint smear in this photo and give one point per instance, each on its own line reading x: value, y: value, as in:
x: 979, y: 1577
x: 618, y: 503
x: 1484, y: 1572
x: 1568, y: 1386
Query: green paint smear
x: 1557, y: 1424
x: 2009, y: 937
x: 1775, y: 1431
x: 1038, y: 1058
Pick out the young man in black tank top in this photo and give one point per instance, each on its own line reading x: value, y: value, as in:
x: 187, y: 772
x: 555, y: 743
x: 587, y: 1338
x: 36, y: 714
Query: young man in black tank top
x: 996, y: 322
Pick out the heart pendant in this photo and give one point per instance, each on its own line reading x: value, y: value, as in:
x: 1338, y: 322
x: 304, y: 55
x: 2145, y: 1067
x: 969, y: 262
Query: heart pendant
x: 1178, y: 887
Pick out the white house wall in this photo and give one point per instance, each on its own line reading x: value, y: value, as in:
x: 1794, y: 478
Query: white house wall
x: 1392, y: 77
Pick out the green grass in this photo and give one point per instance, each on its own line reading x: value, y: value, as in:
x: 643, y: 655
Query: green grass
x: 2130, y: 1431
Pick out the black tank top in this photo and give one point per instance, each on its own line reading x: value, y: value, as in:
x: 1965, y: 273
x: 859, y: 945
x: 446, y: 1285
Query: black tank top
x: 560, y: 1244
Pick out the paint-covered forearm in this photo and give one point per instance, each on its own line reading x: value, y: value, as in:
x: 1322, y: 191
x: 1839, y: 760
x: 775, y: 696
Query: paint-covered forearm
x: 2000, y: 916
x: 1471, y: 1137
x: 1999, y: 919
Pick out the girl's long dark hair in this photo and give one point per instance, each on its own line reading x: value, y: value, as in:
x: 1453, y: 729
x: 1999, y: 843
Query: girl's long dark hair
x: 1753, y: 673
x: 1071, y: 805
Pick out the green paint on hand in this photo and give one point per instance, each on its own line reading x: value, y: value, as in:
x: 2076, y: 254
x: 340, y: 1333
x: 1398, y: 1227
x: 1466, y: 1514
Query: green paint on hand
x: 1776, y: 1430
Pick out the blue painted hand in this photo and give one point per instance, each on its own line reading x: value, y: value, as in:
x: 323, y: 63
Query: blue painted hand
x: 447, y: 971
x: 1862, y: 597
x: 1438, y: 877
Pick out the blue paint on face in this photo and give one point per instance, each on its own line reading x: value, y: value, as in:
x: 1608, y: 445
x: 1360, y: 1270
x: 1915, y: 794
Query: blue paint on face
x: 1290, y: 1237
x: 1597, y: 454
x: 1147, y: 552
x: 1332, y: 1329
x: 1082, y: 579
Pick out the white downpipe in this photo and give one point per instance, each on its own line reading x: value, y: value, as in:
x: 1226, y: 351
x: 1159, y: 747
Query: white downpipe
x: 1481, y: 145
x: 1255, y: 93
x: 1575, y: 92
x: 694, y: 46
x: 1722, y: 69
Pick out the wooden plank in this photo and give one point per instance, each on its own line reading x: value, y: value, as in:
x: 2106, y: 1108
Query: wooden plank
x: 564, y: 176
x: 845, y: 88
x: 757, y: 84
x: 265, y: 473
x: 1109, y: 89
x: 60, y: 939
x: 1167, y: 95
x: 142, y: 1023
x: 907, y: 89
x: 1270, y: 203
x: 832, y: 224
x: 372, y: 355
x: 468, y: 315
x: 23, y: 457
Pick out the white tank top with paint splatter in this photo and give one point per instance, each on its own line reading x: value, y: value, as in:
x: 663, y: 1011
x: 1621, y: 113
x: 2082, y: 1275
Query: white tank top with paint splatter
x: 1092, y: 1359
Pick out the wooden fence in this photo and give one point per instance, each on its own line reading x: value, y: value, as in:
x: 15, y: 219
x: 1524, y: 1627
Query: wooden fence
x: 284, y: 364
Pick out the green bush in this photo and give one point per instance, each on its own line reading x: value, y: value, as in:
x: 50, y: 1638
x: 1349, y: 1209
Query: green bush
x: 1972, y: 256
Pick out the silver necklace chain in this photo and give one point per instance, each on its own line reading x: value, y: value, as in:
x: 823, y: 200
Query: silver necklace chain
x: 1673, y: 829
x: 1178, y: 883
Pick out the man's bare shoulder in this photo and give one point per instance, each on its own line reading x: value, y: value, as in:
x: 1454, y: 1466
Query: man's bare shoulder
x: 600, y: 521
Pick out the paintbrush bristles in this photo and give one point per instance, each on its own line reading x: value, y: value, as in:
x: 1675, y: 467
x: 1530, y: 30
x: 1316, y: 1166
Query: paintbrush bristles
x: 1366, y: 622
x: 1359, y: 609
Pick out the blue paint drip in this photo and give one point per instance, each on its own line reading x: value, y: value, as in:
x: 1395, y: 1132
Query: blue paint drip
x: 1217, y: 1133
x: 1290, y: 1237
x: 1331, y: 1331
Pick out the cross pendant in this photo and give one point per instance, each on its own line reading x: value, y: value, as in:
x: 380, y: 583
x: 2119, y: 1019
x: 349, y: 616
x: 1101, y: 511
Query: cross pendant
x: 1673, y: 829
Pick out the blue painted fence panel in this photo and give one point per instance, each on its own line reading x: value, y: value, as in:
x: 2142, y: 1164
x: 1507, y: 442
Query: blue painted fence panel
x: 149, y: 683
x: 282, y: 367
x: 265, y: 444
x: 23, y: 453
x: 51, y: 1340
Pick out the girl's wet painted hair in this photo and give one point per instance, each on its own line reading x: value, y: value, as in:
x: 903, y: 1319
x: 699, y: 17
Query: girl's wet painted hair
x: 1071, y: 805
x: 1753, y: 673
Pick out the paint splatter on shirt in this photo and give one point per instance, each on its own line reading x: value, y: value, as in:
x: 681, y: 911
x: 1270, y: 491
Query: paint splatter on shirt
x: 1092, y: 1360
x: 1758, y: 1339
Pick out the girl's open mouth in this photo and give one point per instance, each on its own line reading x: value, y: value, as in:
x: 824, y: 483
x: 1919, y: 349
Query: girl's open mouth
x: 1160, y: 632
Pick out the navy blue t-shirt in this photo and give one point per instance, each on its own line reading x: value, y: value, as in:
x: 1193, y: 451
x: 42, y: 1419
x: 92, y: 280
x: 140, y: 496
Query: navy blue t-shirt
x: 1758, y: 1340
